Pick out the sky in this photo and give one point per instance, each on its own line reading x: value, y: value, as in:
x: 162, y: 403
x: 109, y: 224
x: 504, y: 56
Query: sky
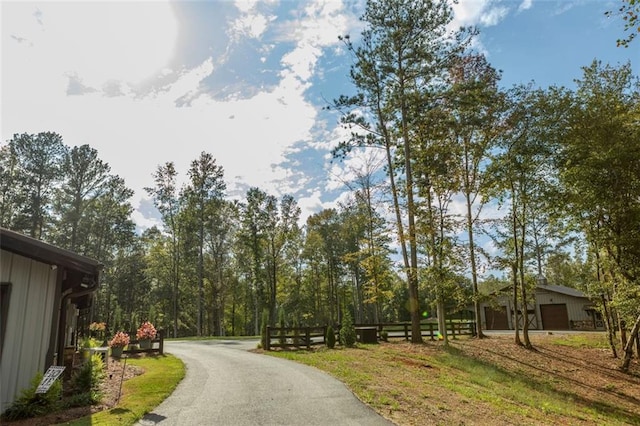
x: 148, y: 82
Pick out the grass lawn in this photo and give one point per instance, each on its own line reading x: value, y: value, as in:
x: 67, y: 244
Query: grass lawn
x: 566, y: 380
x: 141, y: 394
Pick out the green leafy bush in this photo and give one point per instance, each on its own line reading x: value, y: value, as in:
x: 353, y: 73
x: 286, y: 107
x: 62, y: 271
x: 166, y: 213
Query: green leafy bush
x: 32, y: 404
x: 347, y: 330
x: 80, y: 400
x: 384, y: 335
x: 89, y: 342
x: 87, y: 379
x: 330, y: 338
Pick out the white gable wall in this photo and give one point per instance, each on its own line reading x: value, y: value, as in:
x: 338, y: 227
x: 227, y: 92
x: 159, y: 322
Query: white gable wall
x: 29, y: 322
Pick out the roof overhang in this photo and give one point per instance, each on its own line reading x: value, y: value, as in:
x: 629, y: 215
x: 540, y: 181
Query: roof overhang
x: 46, y: 253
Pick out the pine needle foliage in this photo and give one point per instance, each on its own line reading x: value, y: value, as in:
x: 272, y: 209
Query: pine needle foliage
x: 347, y: 330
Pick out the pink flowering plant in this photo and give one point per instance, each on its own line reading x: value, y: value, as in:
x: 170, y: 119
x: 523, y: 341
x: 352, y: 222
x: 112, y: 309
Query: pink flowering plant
x: 146, y: 331
x: 120, y: 339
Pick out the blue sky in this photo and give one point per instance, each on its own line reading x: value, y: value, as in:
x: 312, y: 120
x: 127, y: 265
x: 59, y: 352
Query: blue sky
x: 149, y: 82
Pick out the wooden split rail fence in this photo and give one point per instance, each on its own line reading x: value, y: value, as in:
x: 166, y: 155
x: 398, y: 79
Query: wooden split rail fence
x: 427, y: 329
x: 301, y: 337
x: 287, y: 337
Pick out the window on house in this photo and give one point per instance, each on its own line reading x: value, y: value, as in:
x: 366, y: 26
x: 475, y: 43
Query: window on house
x: 5, y: 291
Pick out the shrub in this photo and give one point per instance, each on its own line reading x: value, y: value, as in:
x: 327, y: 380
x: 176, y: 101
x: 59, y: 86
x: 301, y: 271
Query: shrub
x: 330, y: 338
x: 89, y: 342
x: 347, y: 330
x: 384, y: 335
x: 87, y: 380
x: 80, y: 400
x: 32, y: 404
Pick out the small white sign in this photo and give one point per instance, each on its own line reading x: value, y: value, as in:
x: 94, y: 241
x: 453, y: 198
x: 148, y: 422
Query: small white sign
x: 49, y: 377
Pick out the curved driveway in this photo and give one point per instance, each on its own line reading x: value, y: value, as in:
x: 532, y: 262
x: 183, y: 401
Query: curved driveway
x: 227, y: 385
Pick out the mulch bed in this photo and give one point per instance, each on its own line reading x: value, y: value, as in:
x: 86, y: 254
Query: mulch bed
x: 116, y: 373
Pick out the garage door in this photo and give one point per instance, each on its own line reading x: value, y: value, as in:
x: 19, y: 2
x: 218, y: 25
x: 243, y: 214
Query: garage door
x: 496, y: 318
x: 554, y: 316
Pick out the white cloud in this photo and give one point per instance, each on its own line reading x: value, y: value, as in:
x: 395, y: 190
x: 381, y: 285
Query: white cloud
x: 251, y: 22
x: 317, y: 28
x: 311, y: 203
x: 143, y: 222
x: 245, y: 6
x: 563, y: 7
x: 478, y: 12
x: 526, y: 4
x: 135, y: 132
x: 493, y: 16
x: 95, y: 40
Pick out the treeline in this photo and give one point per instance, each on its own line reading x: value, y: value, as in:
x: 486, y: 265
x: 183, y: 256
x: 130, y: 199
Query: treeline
x: 551, y: 176
x: 214, y: 265
x: 560, y: 165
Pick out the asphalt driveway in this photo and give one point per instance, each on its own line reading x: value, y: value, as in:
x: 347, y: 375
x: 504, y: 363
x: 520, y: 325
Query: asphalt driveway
x: 227, y: 385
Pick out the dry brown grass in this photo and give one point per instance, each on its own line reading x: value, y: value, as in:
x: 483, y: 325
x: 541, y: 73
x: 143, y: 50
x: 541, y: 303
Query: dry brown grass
x: 488, y: 381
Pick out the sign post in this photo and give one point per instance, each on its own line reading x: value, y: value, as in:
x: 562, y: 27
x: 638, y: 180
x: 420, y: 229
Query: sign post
x: 49, y: 377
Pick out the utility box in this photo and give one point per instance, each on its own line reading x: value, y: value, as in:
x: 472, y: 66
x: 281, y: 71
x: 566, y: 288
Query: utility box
x: 367, y: 334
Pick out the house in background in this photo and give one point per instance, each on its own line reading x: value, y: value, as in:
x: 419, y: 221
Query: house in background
x: 43, y: 290
x: 553, y: 307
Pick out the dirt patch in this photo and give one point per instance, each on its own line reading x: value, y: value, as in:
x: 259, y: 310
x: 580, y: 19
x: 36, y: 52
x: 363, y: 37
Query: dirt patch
x: 116, y: 373
x: 590, y: 376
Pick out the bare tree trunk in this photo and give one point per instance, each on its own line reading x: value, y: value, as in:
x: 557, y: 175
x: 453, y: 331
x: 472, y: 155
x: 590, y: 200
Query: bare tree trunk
x: 472, y: 247
x: 474, y: 272
x: 516, y: 318
x: 176, y: 280
x: 525, y: 313
x: 605, y: 309
x: 628, y: 349
x: 525, y: 305
x: 612, y: 344
x: 200, y: 318
x: 514, y: 269
x: 442, y: 321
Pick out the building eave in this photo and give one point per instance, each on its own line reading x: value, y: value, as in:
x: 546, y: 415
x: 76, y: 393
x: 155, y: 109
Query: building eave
x: 47, y: 253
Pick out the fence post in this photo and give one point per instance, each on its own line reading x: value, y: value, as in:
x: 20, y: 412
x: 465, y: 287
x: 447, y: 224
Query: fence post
x: 307, y: 336
x: 267, y: 340
x: 453, y: 328
x: 161, y: 346
x: 406, y: 331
